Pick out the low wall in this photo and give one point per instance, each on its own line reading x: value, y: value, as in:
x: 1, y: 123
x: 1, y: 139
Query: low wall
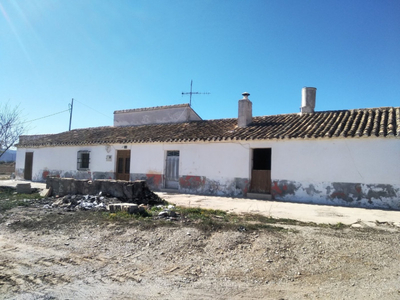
x: 136, y: 191
x: 7, y: 168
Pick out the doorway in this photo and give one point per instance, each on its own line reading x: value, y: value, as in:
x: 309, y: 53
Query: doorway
x: 123, y: 164
x: 28, y: 165
x: 261, y: 172
x: 172, y: 170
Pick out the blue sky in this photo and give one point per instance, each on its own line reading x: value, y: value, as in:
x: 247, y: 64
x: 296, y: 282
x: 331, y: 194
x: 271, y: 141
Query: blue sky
x: 120, y: 54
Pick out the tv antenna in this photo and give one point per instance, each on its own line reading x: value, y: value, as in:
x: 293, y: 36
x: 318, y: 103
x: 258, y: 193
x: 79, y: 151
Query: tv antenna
x: 192, y: 93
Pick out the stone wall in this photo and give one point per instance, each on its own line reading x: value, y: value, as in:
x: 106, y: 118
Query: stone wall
x: 136, y: 191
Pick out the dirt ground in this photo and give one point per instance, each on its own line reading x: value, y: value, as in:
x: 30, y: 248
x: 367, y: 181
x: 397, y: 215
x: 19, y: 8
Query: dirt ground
x: 54, y: 254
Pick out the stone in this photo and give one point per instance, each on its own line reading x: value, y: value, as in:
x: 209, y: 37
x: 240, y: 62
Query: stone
x: 45, y: 193
x: 356, y: 226
x: 128, y: 207
x: 163, y: 214
x: 24, y: 188
x: 57, y: 203
x: 133, y: 209
x: 133, y: 192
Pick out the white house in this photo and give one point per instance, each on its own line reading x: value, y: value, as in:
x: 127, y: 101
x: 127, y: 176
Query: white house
x: 345, y: 157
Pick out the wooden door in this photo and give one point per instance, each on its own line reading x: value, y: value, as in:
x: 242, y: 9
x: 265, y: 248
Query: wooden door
x: 261, y: 173
x: 28, y: 165
x: 123, y: 164
x: 261, y: 181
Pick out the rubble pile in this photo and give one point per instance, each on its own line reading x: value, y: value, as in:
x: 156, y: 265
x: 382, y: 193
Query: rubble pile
x: 113, y: 205
x: 129, y: 191
x: 82, y: 202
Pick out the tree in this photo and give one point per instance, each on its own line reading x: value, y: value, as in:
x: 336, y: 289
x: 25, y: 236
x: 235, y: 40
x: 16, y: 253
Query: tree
x: 11, y: 127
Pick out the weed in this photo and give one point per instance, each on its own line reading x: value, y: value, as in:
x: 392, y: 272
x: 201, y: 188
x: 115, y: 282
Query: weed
x: 9, y: 199
x: 339, y: 225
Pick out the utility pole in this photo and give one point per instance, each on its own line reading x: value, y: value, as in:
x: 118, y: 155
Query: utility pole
x: 71, y: 106
x: 192, y: 93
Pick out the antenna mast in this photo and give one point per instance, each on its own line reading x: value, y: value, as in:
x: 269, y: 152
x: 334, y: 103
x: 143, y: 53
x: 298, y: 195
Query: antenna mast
x: 192, y: 93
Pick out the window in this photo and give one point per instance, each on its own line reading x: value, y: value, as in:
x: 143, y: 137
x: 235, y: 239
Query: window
x: 83, y: 160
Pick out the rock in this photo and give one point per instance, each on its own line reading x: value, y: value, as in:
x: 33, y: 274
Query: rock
x: 86, y: 205
x: 24, y: 188
x: 45, y: 192
x: 163, y: 214
x: 128, y: 207
x: 66, y: 199
x: 57, y: 203
x: 356, y: 226
x: 133, y: 209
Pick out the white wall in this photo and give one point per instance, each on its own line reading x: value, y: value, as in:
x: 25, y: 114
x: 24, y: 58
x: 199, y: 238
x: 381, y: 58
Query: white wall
x: 372, y: 160
x: 155, y: 116
x: 64, y: 159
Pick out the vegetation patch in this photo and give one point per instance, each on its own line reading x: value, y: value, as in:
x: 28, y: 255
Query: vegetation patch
x: 207, y: 220
x: 10, y: 199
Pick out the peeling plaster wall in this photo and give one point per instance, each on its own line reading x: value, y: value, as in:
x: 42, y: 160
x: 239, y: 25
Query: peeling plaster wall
x: 338, y: 193
x: 204, y: 168
x: 154, y: 181
x: 352, y: 172
x: 232, y: 187
x: 347, y: 172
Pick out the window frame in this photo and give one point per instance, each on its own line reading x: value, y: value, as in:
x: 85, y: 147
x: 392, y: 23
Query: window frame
x: 83, y: 164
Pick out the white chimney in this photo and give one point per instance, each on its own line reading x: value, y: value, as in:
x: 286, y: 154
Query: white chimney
x: 245, y: 111
x: 308, y: 99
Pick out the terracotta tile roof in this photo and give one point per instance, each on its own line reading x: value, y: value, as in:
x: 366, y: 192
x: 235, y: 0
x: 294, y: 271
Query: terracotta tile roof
x: 373, y: 122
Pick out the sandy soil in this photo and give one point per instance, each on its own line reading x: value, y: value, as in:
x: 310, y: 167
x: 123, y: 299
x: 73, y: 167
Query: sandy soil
x: 51, y: 254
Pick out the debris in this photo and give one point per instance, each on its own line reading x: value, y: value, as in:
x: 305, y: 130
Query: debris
x: 45, y: 192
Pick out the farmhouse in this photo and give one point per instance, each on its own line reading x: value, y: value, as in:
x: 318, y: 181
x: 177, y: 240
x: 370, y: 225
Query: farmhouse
x: 344, y: 157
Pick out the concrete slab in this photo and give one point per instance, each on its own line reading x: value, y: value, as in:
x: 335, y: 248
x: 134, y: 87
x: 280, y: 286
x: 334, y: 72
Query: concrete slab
x: 13, y: 183
x: 297, y: 211
x: 258, y: 196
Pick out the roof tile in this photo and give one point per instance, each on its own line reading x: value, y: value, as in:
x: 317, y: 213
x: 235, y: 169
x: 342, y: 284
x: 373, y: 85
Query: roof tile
x: 376, y: 122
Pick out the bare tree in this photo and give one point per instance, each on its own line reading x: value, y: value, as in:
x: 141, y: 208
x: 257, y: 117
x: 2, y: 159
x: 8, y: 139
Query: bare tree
x: 11, y: 127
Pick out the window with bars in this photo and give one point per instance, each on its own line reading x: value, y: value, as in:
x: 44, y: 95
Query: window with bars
x: 83, y: 160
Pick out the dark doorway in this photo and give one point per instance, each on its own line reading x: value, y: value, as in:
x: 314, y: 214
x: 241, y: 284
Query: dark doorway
x: 123, y: 164
x: 28, y: 165
x: 261, y: 172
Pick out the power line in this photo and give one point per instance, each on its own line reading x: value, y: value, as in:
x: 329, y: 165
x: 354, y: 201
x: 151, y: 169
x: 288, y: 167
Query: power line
x: 45, y: 116
x: 93, y: 109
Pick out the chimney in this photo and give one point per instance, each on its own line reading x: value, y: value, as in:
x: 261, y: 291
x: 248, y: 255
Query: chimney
x: 308, y: 99
x: 245, y: 111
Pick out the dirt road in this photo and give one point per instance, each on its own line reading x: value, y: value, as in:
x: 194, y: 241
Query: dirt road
x: 51, y: 254
x: 56, y: 254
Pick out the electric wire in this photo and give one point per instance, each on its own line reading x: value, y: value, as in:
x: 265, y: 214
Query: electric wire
x: 92, y: 109
x: 45, y: 116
